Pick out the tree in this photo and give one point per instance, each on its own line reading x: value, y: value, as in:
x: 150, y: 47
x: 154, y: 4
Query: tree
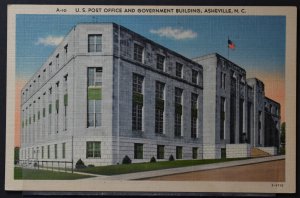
x: 17, y: 151
x: 282, y: 139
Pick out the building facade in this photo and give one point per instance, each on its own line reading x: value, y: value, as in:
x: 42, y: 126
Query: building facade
x: 107, y: 92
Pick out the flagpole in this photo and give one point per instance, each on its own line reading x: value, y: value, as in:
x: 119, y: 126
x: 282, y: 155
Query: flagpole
x: 227, y: 48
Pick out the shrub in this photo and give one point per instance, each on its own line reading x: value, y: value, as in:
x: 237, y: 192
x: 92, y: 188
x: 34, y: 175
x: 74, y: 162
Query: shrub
x: 152, y: 160
x: 91, y: 166
x: 80, y: 164
x: 171, y: 158
x: 126, y: 160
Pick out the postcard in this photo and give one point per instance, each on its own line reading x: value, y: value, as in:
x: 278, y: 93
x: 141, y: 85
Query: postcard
x: 151, y: 98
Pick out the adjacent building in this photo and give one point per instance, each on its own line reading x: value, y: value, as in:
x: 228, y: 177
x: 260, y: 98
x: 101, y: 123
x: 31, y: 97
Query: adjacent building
x: 107, y: 92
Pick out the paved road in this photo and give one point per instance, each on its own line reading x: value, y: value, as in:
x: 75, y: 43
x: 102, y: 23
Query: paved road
x: 266, y: 171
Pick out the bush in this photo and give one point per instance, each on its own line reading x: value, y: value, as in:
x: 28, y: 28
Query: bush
x: 171, y: 158
x: 126, y: 160
x: 152, y: 160
x: 91, y: 166
x: 80, y: 164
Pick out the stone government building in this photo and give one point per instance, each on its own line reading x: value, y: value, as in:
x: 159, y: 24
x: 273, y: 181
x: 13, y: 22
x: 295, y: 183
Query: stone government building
x: 107, y: 92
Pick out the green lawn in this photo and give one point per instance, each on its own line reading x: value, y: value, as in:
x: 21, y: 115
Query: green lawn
x: 140, y: 167
x: 34, y: 174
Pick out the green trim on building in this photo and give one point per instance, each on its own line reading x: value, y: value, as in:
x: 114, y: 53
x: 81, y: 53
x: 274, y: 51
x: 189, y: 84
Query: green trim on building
x: 138, y: 98
x: 94, y: 93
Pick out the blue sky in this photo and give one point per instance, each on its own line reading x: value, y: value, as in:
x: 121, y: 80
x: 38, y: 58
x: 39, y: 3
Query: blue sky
x: 259, y: 40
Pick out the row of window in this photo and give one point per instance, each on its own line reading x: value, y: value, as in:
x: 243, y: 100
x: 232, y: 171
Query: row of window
x: 138, y: 55
x: 139, y: 152
x: 41, y: 151
x: 137, y: 107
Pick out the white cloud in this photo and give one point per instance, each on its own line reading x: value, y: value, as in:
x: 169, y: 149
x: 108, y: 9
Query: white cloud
x: 174, y: 33
x: 49, y: 40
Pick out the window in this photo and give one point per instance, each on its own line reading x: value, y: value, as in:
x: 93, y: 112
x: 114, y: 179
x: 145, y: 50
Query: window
x: 194, y: 76
x: 178, y: 152
x: 160, y: 62
x: 195, y: 153
x: 48, y: 151
x: 178, y: 95
x: 65, y: 102
x: 160, y: 151
x: 55, y: 151
x: 57, y: 61
x: 159, y: 107
x: 178, y: 111
x: 194, y: 115
x: 94, y: 96
x: 159, y: 91
x: 63, y: 150
x: 42, y: 152
x: 57, y: 108
x: 93, y: 149
x: 223, y: 80
x: 137, y: 101
x: 179, y: 70
x: 138, y: 53
x: 222, y: 118
x: 94, y: 43
x: 138, y: 151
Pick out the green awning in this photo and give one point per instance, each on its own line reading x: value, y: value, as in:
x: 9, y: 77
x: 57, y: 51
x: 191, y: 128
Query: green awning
x: 66, y: 99
x: 94, y: 93
x: 50, y: 108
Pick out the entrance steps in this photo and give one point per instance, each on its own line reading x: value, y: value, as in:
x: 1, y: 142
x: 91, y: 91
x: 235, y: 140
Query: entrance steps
x: 256, y: 152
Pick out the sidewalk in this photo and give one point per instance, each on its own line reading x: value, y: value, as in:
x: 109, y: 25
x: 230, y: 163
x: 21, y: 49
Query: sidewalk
x: 156, y: 173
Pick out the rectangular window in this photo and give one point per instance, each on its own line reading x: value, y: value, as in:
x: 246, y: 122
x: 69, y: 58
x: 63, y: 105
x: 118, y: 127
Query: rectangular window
x: 160, y: 151
x: 63, y: 152
x: 65, y: 102
x: 178, y: 152
x: 94, y: 112
x: 178, y: 111
x: 137, y: 102
x: 159, y: 107
x: 160, y: 62
x: 194, y: 101
x: 93, y: 149
x: 159, y: 120
x: 138, y: 53
x: 178, y: 95
x: 55, y: 151
x: 195, y: 152
x: 138, y: 151
x: 179, y: 67
x: 48, y: 151
x: 194, y: 127
x: 94, y: 43
x: 42, y: 152
x: 194, y: 76
x: 222, y: 118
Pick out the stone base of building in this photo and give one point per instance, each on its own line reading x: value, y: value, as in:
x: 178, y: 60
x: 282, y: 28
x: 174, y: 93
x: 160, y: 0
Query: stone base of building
x: 211, y: 152
x: 238, y: 150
